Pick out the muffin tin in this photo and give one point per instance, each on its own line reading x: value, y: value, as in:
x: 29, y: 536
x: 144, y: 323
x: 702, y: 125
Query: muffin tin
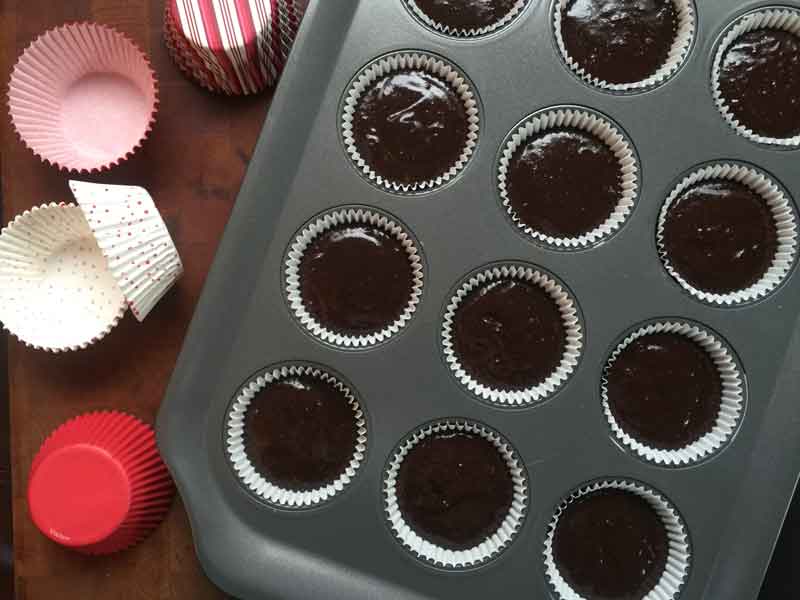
x: 731, y: 500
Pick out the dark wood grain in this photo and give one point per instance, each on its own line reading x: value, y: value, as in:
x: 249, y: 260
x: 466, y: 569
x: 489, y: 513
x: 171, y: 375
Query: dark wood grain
x: 192, y: 164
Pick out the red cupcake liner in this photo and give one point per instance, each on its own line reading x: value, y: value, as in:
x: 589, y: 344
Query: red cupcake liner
x: 98, y: 484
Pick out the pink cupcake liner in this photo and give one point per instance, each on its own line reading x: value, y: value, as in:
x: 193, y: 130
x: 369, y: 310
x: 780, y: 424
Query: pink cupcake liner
x: 83, y: 97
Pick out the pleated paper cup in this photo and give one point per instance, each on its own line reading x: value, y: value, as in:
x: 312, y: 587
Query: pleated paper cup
x: 731, y: 402
x: 231, y: 46
x: 246, y: 471
x: 98, y: 484
x: 184, y: 57
x: 56, y: 292
x: 134, y: 239
x: 573, y: 329
x: 83, y: 97
x: 456, y: 32
x: 781, y: 18
x: 678, y: 53
x: 494, y: 544
x: 393, y: 63
x: 676, y: 572
x: 601, y: 128
x: 350, y: 216
x: 785, y: 227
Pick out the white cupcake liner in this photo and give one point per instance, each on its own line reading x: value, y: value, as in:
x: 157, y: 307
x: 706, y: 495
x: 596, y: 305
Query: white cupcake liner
x: 731, y: 405
x: 785, y: 225
x: 350, y: 216
x: 675, y: 59
x: 56, y: 292
x: 444, y: 29
x: 489, y: 548
x: 397, y: 62
x: 784, y: 19
x: 134, y: 238
x: 604, y: 130
x: 573, y: 345
x: 676, y: 573
x: 245, y: 470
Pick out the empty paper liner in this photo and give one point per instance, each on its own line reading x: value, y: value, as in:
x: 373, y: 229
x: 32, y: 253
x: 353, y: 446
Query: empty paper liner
x: 83, y: 97
x: 134, y: 239
x: 98, y: 484
x: 56, y: 292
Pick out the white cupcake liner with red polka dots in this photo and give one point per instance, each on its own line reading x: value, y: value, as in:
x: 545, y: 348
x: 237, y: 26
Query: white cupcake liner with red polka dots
x: 494, y: 544
x: 679, y: 555
x: 460, y: 32
x: 677, y: 55
x: 134, y: 239
x: 605, y: 131
x: 731, y: 401
x: 783, y: 216
x: 783, y: 19
x: 56, y: 291
x: 573, y: 336
x: 393, y: 63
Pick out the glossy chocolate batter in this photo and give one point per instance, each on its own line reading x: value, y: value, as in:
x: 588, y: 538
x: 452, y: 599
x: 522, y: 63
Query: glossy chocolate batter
x: 611, y: 544
x: 466, y: 14
x: 454, y: 489
x: 410, y: 126
x: 356, y: 279
x: 720, y: 236
x: 509, y: 334
x: 619, y: 41
x: 300, y: 433
x: 564, y: 182
x: 664, y: 390
x: 760, y: 82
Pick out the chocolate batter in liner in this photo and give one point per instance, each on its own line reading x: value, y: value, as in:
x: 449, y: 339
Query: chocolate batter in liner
x: 438, y: 139
x: 766, y: 43
x: 502, y: 505
x: 352, y: 219
x: 650, y: 52
x: 498, y: 280
x: 706, y: 425
x: 618, y: 204
x: 785, y: 227
x: 653, y: 562
x: 336, y: 473
x: 471, y: 18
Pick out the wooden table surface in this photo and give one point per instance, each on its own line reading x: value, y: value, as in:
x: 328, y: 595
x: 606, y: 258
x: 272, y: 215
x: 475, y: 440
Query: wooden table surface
x: 192, y: 164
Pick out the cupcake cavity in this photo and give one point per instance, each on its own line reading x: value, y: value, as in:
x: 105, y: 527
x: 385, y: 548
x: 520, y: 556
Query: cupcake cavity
x: 759, y: 81
x: 664, y: 389
x: 356, y: 278
x: 563, y: 183
x: 455, y: 489
x: 610, y: 543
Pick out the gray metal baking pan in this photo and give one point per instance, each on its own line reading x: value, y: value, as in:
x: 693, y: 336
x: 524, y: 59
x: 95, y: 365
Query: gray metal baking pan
x: 733, y: 504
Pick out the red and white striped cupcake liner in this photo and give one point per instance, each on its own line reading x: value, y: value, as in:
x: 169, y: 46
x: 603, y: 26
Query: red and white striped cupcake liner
x: 231, y: 46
